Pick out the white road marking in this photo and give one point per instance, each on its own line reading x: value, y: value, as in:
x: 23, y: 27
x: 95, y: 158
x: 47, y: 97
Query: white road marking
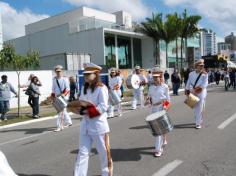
x: 227, y: 122
x: 168, y: 168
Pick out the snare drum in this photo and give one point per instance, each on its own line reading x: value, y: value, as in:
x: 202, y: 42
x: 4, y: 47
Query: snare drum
x: 159, y: 123
x: 133, y: 82
x: 59, y: 103
x: 114, y: 97
x: 191, y: 100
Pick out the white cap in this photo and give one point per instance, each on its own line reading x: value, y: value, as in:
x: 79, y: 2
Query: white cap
x: 58, y: 68
x: 137, y: 67
x: 91, y: 68
x: 113, y: 70
x: 156, y: 71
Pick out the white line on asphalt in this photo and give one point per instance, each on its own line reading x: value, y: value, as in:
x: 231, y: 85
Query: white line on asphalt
x: 168, y: 168
x: 32, y: 136
x: 227, y: 122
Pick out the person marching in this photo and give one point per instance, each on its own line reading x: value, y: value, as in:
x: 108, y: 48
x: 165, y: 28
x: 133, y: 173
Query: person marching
x: 138, y: 93
x: 197, y: 85
x: 94, y: 126
x: 159, y: 98
x: 114, y: 85
x: 60, y: 87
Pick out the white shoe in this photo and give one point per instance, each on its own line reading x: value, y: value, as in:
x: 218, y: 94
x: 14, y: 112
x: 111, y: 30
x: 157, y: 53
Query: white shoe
x: 158, y: 153
x: 57, y: 130
x: 198, y: 126
x: 68, y: 125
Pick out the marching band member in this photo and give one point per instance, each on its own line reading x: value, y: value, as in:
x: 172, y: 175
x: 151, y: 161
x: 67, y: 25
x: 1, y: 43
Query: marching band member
x: 159, y: 98
x: 197, y: 84
x: 94, y: 125
x: 114, y: 85
x: 138, y: 93
x: 60, y: 87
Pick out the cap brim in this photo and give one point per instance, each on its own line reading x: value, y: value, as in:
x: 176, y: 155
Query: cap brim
x: 88, y: 72
x: 56, y: 70
x: 156, y: 75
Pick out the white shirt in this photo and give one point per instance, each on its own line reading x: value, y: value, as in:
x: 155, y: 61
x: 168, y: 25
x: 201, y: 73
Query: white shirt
x: 158, y: 94
x: 142, y: 78
x: 113, y: 82
x: 97, y: 125
x: 64, y: 84
x: 202, y: 82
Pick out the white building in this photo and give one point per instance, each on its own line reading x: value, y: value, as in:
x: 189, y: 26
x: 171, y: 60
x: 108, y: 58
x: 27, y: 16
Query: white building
x: 108, y: 38
x: 1, y: 37
x: 208, y: 42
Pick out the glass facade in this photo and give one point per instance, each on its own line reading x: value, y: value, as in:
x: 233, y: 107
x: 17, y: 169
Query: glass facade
x: 124, y: 52
x: 110, y: 53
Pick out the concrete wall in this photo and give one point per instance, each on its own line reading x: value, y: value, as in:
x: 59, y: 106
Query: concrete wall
x: 58, y: 40
x: 44, y: 76
x: 147, y: 53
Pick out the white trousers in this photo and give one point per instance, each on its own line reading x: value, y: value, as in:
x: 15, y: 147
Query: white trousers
x: 103, y: 148
x: 5, y: 168
x: 159, y: 143
x: 63, y: 118
x: 198, y: 111
x: 137, y: 95
x: 111, y: 109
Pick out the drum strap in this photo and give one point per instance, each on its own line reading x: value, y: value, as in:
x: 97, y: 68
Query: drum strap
x: 197, y: 80
x: 58, y: 85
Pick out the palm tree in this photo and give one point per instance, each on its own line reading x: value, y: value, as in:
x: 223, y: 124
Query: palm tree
x: 188, y: 27
x: 170, y: 31
x: 152, y: 28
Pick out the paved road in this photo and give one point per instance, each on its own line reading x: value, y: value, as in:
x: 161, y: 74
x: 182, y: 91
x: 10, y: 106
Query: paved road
x: 34, y: 149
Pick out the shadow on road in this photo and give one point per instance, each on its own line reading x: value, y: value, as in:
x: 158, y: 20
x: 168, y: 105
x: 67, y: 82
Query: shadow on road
x: 30, y: 130
x: 139, y: 127
x: 133, y: 154
x: 188, y: 125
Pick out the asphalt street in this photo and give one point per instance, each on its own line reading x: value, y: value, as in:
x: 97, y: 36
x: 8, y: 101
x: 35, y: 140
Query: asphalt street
x: 34, y: 149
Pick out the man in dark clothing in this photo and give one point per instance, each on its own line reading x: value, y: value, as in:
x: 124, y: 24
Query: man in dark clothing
x: 166, y: 77
x: 175, y: 79
x: 186, y: 74
x: 217, y: 77
x: 232, y: 79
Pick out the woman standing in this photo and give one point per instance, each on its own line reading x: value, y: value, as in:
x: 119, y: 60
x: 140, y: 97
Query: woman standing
x: 114, y: 88
x: 73, y: 89
x: 158, y: 97
x: 94, y: 126
x: 34, y: 95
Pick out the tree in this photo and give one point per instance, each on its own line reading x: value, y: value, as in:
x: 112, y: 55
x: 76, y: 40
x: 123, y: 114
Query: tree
x: 188, y: 27
x: 152, y: 27
x: 170, y: 31
x: 10, y: 60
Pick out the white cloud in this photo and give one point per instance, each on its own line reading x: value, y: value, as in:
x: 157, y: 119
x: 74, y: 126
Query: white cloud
x: 220, y: 13
x: 14, y: 21
x: 136, y: 8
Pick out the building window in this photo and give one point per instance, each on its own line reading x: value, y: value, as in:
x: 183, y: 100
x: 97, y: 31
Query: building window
x: 124, y: 52
x: 110, y: 53
x: 137, y: 51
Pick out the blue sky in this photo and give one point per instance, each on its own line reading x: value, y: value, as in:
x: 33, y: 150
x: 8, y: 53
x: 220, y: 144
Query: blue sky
x: 17, y: 13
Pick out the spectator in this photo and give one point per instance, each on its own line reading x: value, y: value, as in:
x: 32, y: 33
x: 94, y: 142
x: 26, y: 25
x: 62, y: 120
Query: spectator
x: 34, y: 93
x: 175, y: 79
x: 149, y: 78
x: 26, y: 85
x: 5, y: 95
x: 186, y: 74
x: 217, y: 77
x: 166, y: 77
x: 73, y: 89
x: 232, y: 78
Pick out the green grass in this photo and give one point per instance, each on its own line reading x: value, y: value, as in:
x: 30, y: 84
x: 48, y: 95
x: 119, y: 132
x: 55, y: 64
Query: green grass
x: 23, y: 118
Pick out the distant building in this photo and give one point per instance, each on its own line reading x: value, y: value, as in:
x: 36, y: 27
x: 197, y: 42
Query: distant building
x: 231, y: 39
x: 208, y: 42
x: 1, y: 37
x: 222, y: 46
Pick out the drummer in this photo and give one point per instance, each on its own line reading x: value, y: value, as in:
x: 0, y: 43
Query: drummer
x: 138, y: 93
x: 94, y: 126
x: 114, y: 85
x: 159, y: 98
x: 200, y: 90
x: 60, y: 87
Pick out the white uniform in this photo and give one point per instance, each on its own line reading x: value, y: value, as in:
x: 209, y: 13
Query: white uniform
x: 158, y: 94
x: 94, y: 130
x: 112, y: 83
x: 138, y: 93
x: 64, y: 85
x: 203, y: 83
x: 5, y: 168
